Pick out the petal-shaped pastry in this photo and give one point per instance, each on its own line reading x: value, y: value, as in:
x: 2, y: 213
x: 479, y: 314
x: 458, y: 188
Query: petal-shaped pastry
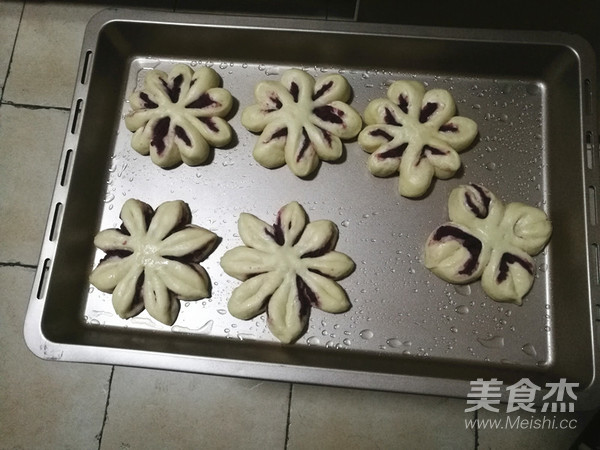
x: 329, y: 295
x: 415, y: 132
x: 437, y: 108
x: 110, y: 271
x: 269, y: 150
x: 136, y: 216
x: 408, y: 95
x: 299, y: 84
x: 159, y: 301
x: 291, y: 219
x: 334, y: 265
x: 288, y: 268
x: 127, y: 294
x: 192, y: 146
x: 454, y: 254
x: 384, y: 111
x: 338, y: 118
x: 176, y: 116
x: 169, y: 217
x: 203, y: 80
x: 531, y: 227
x: 250, y: 298
x: 300, y: 153
x: 331, y: 88
x: 185, y: 281
x: 415, y: 176
x: 327, y: 145
x: 459, y: 132
x: 257, y: 234
x: 287, y: 316
x: 245, y: 262
x: 192, y: 242
x: 113, y: 239
x: 508, y: 276
x: 319, y: 237
x: 503, y: 237
x: 304, y: 118
x: 143, y: 270
x: 472, y: 204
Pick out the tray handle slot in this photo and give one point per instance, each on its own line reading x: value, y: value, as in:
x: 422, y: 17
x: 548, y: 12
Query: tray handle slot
x: 56, y: 220
x: 66, y: 170
x: 596, y: 264
x: 592, y: 205
x: 587, y: 97
x: 87, y: 59
x: 589, y: 149
x: 76, y: 115
x: 43, y: 281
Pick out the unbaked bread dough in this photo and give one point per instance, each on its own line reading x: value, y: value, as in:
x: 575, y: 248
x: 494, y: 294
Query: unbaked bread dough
x: 287, y: 268
x: 488, y: 239
x: 415, y: 133
x: 152, y: 260
x: 176, y: 117
x: 301, y: 120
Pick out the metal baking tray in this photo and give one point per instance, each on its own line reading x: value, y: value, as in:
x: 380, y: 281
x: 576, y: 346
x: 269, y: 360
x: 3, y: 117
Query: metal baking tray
x: 533, y: 97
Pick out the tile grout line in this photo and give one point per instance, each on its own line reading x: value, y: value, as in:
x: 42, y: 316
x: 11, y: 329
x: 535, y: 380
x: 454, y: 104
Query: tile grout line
x: 34, y: 107
x: 287, y: 423
x: 17, y: 264
x: 476, y: 413
x: 105, y: 418
x: 12, y: 53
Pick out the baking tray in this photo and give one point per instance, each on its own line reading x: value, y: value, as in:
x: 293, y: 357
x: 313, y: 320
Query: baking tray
x: 533, y: 97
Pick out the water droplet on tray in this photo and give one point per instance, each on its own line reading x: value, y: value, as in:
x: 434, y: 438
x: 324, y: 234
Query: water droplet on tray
x: 492, y: 342
x: 313, y: 340
x: 366, y: 334
x: 529, y: 349
x: 462, y: 309
x: 394, y: 342
x: 463, y: 289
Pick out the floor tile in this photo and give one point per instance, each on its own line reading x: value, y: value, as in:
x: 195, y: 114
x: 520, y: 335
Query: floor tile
x: 44, y: 404
x: 151, y: 409
x: 31, y: 141
x: 334, y: 418
x: 10, y: 14
x: 49, y: 43
x: 522, y: 429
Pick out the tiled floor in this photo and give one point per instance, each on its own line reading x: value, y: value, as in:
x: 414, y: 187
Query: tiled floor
x: 46, y: 404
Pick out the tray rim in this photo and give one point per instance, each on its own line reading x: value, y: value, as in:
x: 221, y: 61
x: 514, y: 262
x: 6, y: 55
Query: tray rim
x: 44, y: 348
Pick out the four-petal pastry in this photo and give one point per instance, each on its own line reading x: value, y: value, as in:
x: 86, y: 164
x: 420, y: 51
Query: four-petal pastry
x: 177, y: 116
x: 287, y: 268
x: 152, y: 260
x: 488, y: 239
x: 416, y: 133
x: 301, y: 120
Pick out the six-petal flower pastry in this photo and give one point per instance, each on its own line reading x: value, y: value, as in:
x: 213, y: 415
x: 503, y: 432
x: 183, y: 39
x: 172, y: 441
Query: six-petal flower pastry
x: 152, y: 260
x: 175, y: 117
x: 416, y: 133
x: 286, y: 269
x: 488, y: 239
x: 301, y: 120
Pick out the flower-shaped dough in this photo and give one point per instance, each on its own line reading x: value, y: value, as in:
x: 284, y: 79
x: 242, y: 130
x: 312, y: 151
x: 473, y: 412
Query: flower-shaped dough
x: 286, y: 269
x: 488, y: 239
x: 153, y: 259
x: 415, y: 133
x: 177, y: 116
x: 301, y: 120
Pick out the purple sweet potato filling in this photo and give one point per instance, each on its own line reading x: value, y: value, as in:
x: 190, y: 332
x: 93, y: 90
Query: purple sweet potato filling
x: 427, y: 111
x: 468, y: 241
x: 306, y: 296
x: 509, y: 258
